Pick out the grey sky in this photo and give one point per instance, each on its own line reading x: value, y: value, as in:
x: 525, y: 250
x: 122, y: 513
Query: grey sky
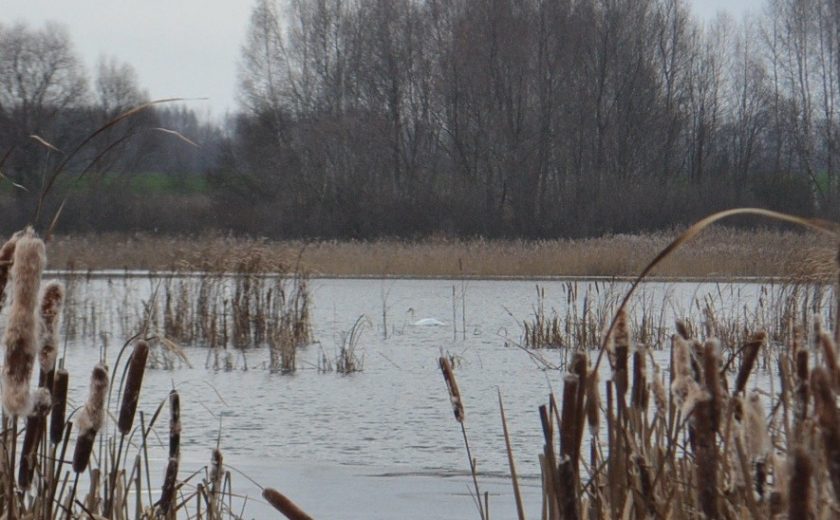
x: 186, y: 48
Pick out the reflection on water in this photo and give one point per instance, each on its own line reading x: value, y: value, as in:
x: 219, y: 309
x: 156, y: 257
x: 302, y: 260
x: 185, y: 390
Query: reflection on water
x: 393, y: 420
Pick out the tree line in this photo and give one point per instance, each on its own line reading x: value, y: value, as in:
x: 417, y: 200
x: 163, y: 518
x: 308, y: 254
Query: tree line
x: 531, y: 118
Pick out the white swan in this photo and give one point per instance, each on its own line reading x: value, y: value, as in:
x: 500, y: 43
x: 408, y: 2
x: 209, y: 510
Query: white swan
x: 424, y: 322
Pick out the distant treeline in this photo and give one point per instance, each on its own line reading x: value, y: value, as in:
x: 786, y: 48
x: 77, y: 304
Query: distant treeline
x: 535, y: 118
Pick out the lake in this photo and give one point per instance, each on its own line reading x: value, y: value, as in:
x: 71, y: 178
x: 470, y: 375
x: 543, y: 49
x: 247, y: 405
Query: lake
x: 383, y: 443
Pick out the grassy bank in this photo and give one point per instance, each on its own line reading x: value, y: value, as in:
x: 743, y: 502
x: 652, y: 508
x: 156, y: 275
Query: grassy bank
x: 718, y: 253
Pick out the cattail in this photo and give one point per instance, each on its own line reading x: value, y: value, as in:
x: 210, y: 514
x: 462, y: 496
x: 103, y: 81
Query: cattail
x: 569, y: 420
x: 828, y: 417
x: 799, y: 487
x: 756, y: 438
x: 59, y: 407
x: 133, y: 382
x: 579, y: 368
x: 660, y: 396
x: 621, y: 339
x: 7, y: 253
x: 284, y: 505
x: 593, y: 403
x: 751, y: 349
x: 640, y: 388
x: 51, y: 302
x: 711, y: 375
x: 19, y: 338
x: 683, y: 329
x: 167, y: 497
x: 830, y: 355
x: 452, y: 385
x: 91, y: 418
x: 35, y: 424
x: 174, y: 424
x: 683, y: 384
x: 755, y: 428
x: 216, y: 472
x: 800, y: 405
x: 706, y: 455
x: 216, y: 467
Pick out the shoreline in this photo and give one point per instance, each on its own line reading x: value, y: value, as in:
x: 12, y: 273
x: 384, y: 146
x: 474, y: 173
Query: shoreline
x: 718, y: 254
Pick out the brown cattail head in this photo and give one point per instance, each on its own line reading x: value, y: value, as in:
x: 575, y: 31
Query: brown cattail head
x: 216, y: 469
x: 683, y: 329
x: 569, y: 419
x: 825, y: 407
x: 452, y: 386
x: 50, y: 312
x: 800, y: 505
x: 621, y: 342
x: 20, y: 335
x: 133, y: 382
x: 751, y: 349
x: 706, y: 456
x: 711, y: 375
x: 284, y: 505
x: 91, y: 418
x: 59, y: 407
x: 830, y: 354
x: 640, y: 386
x: 167, y: 495
x: 174, y: 424
x: 593, y: 403
x: 35, y: 424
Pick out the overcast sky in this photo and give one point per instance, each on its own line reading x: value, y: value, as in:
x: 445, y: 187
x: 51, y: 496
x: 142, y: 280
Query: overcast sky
x: 186, y: 48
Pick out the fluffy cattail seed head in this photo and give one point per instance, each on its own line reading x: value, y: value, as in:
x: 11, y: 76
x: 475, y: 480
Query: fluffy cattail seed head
x: 20, y: 334
x: 50, y: 312
x: 91, y: 418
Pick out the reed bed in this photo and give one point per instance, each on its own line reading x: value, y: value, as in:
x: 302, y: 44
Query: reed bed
x: 245, y: 301
x: 57, y: 462
x: 695, y: 438
x: 722, y: 252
